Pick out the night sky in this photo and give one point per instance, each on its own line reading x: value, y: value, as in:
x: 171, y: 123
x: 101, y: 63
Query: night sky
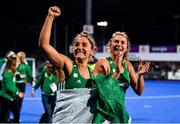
x: 145, y: 21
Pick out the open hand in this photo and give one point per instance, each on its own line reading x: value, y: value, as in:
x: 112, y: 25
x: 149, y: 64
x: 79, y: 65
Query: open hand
x: 143, y: 67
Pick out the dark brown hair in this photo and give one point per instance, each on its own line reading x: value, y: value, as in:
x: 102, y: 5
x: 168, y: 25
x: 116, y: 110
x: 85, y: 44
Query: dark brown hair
x: 9, y: 63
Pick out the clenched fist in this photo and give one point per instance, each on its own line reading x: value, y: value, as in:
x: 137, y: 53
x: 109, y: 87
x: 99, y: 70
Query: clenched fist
x: 21, y: 95
x: 54, y: 11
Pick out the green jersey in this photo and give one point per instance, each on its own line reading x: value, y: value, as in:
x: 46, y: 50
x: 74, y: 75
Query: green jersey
x: 92, y: 66
x: 124, y: 78
x: 111, y: 101
x: 47, y: 82
x: 25, y: 73
x: 124, y: 82
x: 9, y: 89
x: 75, y: 80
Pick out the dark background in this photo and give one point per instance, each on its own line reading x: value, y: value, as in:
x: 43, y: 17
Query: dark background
x: 145, y: 21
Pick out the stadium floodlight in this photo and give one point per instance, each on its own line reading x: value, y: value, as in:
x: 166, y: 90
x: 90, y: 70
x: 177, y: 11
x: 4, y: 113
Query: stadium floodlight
x: 102, y: 23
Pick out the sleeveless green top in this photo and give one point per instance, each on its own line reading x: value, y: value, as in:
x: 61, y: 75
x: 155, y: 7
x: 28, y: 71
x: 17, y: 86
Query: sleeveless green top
x: 111, y: 98
x: 75, y: 80
x: 124, y: 78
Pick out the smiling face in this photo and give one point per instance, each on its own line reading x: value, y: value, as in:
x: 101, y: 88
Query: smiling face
x: 82, y: 48
x: 119, y: 44
x: 22, y: 57
x: 50, y: 68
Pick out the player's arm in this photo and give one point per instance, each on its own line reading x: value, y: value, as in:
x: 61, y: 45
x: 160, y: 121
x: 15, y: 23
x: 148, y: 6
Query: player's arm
x: 52, y: 54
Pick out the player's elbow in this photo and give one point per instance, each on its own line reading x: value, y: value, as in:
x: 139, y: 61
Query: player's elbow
x: 41, y: 44
x: 139, y: 93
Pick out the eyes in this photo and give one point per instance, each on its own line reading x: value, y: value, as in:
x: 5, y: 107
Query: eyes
x: 83, y: 44
x: 119, y: 41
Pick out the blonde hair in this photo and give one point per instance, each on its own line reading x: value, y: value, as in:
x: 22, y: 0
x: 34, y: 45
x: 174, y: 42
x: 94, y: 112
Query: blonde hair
x: 89, y: 37
x: 19, y: 54
x: 124, y: 34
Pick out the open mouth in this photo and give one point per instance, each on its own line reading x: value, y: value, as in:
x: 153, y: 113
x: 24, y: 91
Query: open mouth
x: 118, y: 49
x: 78, y: 51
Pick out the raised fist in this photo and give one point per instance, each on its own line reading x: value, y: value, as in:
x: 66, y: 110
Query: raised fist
x: 54, y: 11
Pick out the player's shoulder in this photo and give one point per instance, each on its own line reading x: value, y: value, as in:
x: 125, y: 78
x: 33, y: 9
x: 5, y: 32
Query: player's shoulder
x: 128, y: 64
x: 102, y: 60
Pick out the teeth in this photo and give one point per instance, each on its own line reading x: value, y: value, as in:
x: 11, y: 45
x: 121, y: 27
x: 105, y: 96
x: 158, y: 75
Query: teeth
x: 80, y: 52
x: 119, y: 49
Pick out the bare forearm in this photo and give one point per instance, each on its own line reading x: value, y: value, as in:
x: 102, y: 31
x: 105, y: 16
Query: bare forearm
x: 44, y: 39
x: 45, y: 34
x: 140, y: 84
